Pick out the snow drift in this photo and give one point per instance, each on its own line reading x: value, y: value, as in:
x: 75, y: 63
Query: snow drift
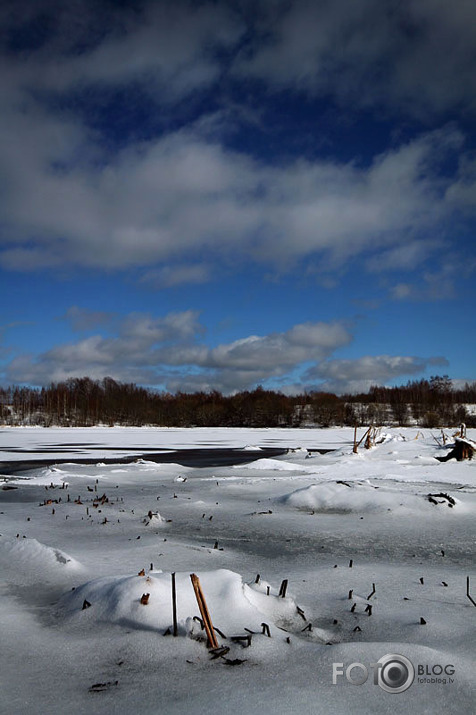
x: 233, y: 604
x: 361, y: 497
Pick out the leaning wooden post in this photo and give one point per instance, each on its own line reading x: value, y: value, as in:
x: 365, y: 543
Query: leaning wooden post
x: 174, y: 604
x: 207, y: 621
x: 355, y: 440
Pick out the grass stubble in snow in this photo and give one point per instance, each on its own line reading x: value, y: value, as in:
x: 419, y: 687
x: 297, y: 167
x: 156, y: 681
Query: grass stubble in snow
x: 332, y: 525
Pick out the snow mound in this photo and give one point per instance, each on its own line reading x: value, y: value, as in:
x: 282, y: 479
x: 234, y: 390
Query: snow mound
x: 251, y: 448
x: 153, y: 519
x: 30, y: 561
x: 347, y: 497
x: 144, y: 601
x: 385, y: 437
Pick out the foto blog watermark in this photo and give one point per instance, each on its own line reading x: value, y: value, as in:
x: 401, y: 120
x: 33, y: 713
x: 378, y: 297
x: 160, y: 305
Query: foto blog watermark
x: 393, y: 673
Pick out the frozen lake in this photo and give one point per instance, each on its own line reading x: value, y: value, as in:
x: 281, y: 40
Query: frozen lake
x: 332, y: 525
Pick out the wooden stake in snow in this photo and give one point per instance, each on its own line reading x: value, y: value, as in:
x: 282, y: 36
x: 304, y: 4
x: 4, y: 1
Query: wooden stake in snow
x: 212, y: 641
x: 174, y: 605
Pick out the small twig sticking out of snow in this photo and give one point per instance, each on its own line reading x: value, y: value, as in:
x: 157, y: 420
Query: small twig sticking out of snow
x: 351, y: 563
x: 437, y: 441
x: 421, y: 580
x: 373, y: 591
x: 244, y: 641
x: 199, y: 620
x: 283, y: 588
x: 422, y: 622
x: 368, y: 609
x: 174, y: 604
x: 218, y: 652
x: 467, y: 592
x: 257, y: 578
x: 265, y: 631
x: 350, y: 594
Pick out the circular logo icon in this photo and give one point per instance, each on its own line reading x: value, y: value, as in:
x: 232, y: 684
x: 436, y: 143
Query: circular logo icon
x: 396, y: 673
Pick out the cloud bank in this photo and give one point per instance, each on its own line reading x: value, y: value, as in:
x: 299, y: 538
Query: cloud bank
x: 152, y: 350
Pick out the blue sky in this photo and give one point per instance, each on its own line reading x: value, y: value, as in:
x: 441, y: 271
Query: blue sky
x: 216, y: 195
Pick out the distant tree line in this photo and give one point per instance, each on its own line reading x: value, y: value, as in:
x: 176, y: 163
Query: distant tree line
x: 82, y: 401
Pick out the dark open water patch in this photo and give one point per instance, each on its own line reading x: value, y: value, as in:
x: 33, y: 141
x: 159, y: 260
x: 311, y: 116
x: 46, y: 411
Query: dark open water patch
x: 196, y: 457
x: 217, y: 457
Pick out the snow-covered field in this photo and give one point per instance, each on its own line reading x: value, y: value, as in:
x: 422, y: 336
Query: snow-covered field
x: 374, y: 567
